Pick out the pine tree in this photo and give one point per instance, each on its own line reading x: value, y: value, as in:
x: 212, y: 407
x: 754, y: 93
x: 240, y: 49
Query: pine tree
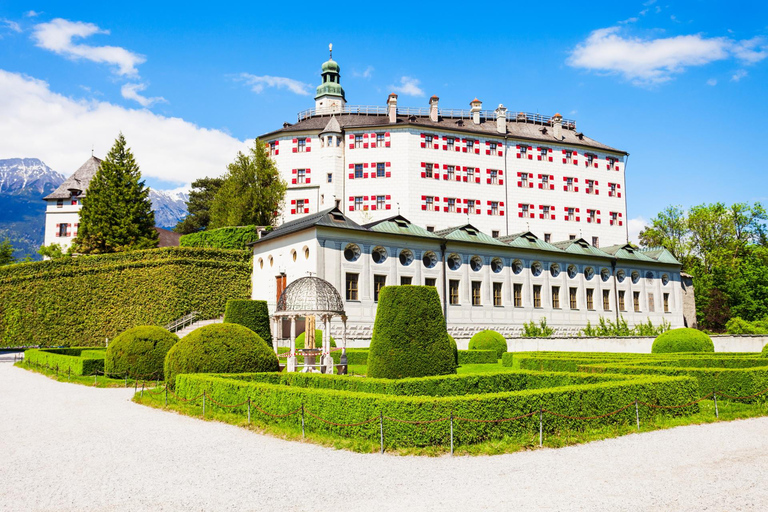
x: 117, y: 213
x: 6, y: 252
x: 252, y: 192
x: 199, y: 205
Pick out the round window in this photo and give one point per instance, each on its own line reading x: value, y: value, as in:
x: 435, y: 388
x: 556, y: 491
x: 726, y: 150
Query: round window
x: 454, y: 261
x: 351, y: 252
x: 406, y: 257
x: 306, y: 253
x: 589, y: 273
x: 572, y: 271
x: 517, y: 266
x: 379, y: 254
x: 261, y: 263
x: 605, y: 274
x: 476, y: 263
x: 497, y: 265
x: 429, y: 259
x: 536, y: 268
x: 621, y: 275
x: 293, y: 255
x: 554, y: 269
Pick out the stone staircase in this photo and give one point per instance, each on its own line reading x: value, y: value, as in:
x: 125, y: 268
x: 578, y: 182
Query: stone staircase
x: 200, y: 323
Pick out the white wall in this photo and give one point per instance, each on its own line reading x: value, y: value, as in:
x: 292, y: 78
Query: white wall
x: 66, y: 214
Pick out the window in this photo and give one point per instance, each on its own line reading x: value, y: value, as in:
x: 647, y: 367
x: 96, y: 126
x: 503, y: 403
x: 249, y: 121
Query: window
x: 301, y: 176
x: 569, y: 184
x: 555, y: 297
x: 430, y: 281
x: 591, y: 216
x: 451, y: 204
x: 329, y: 177
x: 358, y: 141
x: 431, y: 229
x: 621, y: 300
x: 590, y: 299
x: 523, y: 151
x: 449, y: 143
x: 358, y: 203
x: 543, y: 155
x: 494, y: 177
x: 611, y: 161
x: 494, y: 234
x: 547, y: 214
x: 272, y: 147
x: 590, y: 186
x: 60, y: 203
x: 430, y: 200
x: 571, y: 237
x: 428, y: 140
x: 524, y: 180
x: 547, y: 236
x: 471, y: 206
x: 476, y: 293
x: 380, y: 140
x: 381, y: 170
x: 595, y: 241
x: 470, y: 145
x: 497, y: 294
x: 651, y: 305
x: 381, y: 202
x: 379, y: 282
x: 537, y: 295
x: 590, y: 160
x: 568, y: 157
x: 302, y: 145
x: 570, y: 215
x: 63, y: 229
x: 405, y: 280
x: 428, y: 170
x: 352, y: 286
x: 470, y: 174
x: 666, y: 302
x: 545, y: 181
x: 572, y: 298
x: 451, y: 172
x: 453, y: 291
x: 636, y: 301
x: 606, y: 300
x: 300, y: 207
x: 493, y: 146
x: 517, y: 289
x: 358, y: 171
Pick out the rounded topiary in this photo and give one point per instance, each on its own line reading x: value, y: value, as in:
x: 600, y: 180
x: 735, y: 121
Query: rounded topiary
x: 455, y: 349
x: 489, y: 340
x: 765, y: 351
x: 318, y: 340
x: 253, y: 314
x: 139, y: 352
x: 684, y: 339
x: 409, y: 337
x: 219, y: 348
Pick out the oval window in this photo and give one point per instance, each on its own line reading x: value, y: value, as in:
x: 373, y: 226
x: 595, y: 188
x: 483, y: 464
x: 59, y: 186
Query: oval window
x: 476, y: 263
x: 635, y: 276
x: 351, y: 252
x: 497, y: 265
x: 429, y: 259
x: 454, y: 261
x: 536, y: 268
x: 589, y: 273
x: 605, y: 274
x: 554, y: 269
x: 406, y: 257
x: 379, y: 254
x: 664, y: 279
x: 572, y: 271
x: 517, y: 266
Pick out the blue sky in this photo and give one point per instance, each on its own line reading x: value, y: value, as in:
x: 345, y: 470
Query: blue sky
x: 681, y: 86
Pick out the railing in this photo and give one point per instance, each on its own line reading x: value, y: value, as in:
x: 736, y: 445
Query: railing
x: 182, y: 322
x: 374, y: 110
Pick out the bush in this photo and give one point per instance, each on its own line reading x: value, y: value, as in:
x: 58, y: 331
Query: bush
x: 72, y: 361
x: 737, y: 325
x: 139, y: 352
x: 107, y: 294
x: 219, y: 348
x: 531, y: 330
x: 236, y: 237
x: 253, y: 314
x: 455, y: 349
x: 765, y: 351
x: 489, y: 340
x: 607, y: 328
x: 478, y: 357
x: 684, y: 339
x: 409, y: 336
x: 318, y: 339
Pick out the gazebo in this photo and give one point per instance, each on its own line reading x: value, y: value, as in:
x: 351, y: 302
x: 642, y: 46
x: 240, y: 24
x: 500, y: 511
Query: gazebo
x: 312, y: 297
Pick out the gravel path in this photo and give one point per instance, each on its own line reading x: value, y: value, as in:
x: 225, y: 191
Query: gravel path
x: 70, y: 447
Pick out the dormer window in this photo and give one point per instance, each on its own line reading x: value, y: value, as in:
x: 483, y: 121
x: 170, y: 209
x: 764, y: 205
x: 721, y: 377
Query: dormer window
x: 59, y: 203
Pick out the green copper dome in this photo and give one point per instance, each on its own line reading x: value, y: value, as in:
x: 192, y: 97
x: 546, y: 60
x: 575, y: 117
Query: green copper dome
x: 330, y: 66
x: 331, y: 85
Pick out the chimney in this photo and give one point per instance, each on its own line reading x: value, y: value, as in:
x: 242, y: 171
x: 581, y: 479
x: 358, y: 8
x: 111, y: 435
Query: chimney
x: 476, y: 105
x: 392, y: 108
x: 433, y: 108
x: 557, y: 126
x: 501, y: 119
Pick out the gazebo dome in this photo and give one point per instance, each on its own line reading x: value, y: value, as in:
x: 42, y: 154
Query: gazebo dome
x: 309, y: 295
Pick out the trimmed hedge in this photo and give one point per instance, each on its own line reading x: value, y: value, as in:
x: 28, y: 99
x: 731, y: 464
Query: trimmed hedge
x: 489, y: 340
x: 236, y: 237
x: 354, y: 407
x: 139, y: 352
x: 455, y: 349
x: 318, y: 339
x: 81, y: 301
x: 75, y: 361
x: 765, y: 351
x: 253, y: 314
x: 219, y: 348
x: 409, y: 336
x: 478, y: 357
x: 684, y: 339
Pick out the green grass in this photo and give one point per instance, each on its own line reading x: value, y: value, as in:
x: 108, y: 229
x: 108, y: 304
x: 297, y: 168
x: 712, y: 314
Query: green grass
x: 98, y: 381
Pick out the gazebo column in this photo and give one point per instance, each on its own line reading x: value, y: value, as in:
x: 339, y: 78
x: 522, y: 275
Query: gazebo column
x: 343, y: 360
x: 275, y: 321
x: 291, y: 362
x: 327, y: 359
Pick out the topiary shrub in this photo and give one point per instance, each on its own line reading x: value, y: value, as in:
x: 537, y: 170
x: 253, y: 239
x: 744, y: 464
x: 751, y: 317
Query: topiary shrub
x: 489, y: 340
x: 765, y: 351
x: 684, y: 339
x: 253, y: 314
x: 455, y: 349
x: 409, y: 337
x: 318, y: 340
x: 139, y: 352
x: 219, y: 348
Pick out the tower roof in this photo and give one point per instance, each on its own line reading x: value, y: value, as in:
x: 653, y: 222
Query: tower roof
x: 331, y: 86
x: 79, y: 181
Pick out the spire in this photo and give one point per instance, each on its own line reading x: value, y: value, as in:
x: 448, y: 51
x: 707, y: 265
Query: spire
x: 330, y: 94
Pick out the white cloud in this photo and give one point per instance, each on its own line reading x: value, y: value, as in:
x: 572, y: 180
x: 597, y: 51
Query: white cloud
x: 628, y: 20
x: 32, y: 14
x: 738, y: 75
x: 654, y: 61
x: 259, y: 83
x: 131, y: 92
x: 12, y: 25
x: 634, y: 227
x: 408, y: 86
x: 365, y: 74
x: 61, y: 131
x: 57, y: 36
x: 712, y: 82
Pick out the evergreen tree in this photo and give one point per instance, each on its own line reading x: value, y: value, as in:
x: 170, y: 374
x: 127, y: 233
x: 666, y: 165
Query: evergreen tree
x: 117, y: 213
x: 6, y: 252
x: 199, y: 205
x: 252, y: 192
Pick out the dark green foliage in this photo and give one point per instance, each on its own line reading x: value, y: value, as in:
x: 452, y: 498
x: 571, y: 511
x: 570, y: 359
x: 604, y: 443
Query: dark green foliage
x: 199, y: 205
x: 354, y: 356
x: 219, y: 348
x: 318, y: 340
x: 478, y: 356
x: 117, y: 213
x: 139, y: 352
x: 74, y: 361
x: 455, y: 349
x: 6, y: 252
x: 765, y: 351
x: 253, y: 314
x: 531, y: 330
x: 409, y: 336
x: 82, y: 301
x: 488, y: 340
x: 684, y: 339
x: 223, y: 238
x: 737, y: 325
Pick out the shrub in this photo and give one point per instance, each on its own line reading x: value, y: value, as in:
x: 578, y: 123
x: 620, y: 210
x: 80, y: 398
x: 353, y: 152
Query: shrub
x: 318, y: 339
x: 737, y: 325
x: 489, y: 340
x: 765, y: 351
x: 235, y: 237
x: 74, y: 361
x: 253, y: 314
x: 684, y: 339
x: 139, y: 352
x: 455, y: 349
x: 621, y: 328
x: 531, y: 330
x: 219, y: 348
x: 409, y: 336
x: 478, y: 357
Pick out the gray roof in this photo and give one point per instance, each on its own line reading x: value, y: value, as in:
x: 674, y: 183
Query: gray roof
x: 332, y: 126
x: 332, y: 218
x: 487, y: 128
x: 78, y: 181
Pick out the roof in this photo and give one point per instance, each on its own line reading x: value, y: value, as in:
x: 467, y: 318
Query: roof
x: 627, y: 252
x: 486, y: 128
x: 579, y: 246
x: 660, y: 254
x: 167, y: 238
x: 332, y: 126
x: 527, y: 240
x: 78, y: 181
x: 399, y: 225
x: 332, y: 217
x: 467, y: 233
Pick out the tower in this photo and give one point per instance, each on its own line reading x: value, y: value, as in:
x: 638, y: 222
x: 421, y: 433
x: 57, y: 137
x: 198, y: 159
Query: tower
x: 330, y: 94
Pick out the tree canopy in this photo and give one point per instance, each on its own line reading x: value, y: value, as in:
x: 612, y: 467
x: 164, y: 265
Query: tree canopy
x: 199, y: 205
x: 6, y: 252
x: 252, y: 192
x: 117, y: 213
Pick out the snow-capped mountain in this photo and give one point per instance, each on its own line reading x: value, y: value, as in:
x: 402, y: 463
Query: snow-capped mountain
x: 28, y: 176
x: 170, y: 207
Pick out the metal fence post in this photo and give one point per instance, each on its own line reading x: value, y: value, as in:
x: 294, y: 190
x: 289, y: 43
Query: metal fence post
x: 249, y: 409
x: 541, y: 427
x: 302, y: 420
x: 203, y: 404
x: 717, y: 413
x: 381, y: 430
x: 451, y: 432
x: 637, y: 415
x: 142, y: 390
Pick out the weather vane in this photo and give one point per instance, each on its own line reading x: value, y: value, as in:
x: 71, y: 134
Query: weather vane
x: 330, y: 50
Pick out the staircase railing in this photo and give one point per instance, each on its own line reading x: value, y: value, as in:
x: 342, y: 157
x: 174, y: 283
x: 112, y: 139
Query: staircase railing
x: 182, y: 322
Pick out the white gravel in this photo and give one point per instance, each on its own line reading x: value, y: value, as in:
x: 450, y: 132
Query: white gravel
x: 70, y: 447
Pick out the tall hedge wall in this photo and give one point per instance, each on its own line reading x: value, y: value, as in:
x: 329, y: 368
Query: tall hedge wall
x: 236, y: 237
x: 81, y: 301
